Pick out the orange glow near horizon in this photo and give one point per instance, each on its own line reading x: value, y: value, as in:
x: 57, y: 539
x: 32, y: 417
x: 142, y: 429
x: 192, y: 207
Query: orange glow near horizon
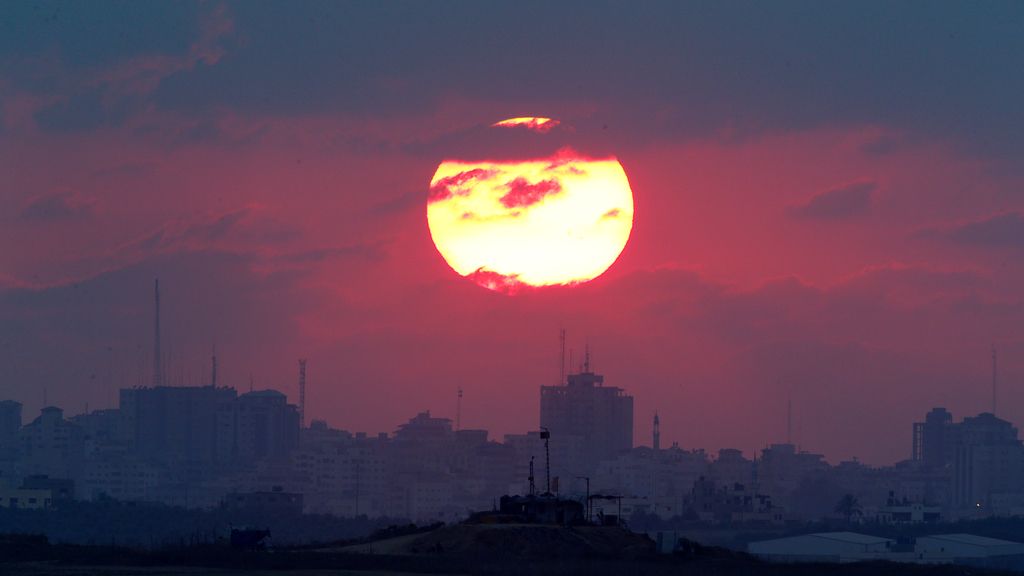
x: 540, y: 222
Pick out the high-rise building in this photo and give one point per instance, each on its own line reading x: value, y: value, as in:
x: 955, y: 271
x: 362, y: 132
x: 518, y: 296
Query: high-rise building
x: 51, y: 445
x: 931, y: 447
x: 601, y: 416
x: 174, y: 424
x: 267, y: 426
x: 988, y: 460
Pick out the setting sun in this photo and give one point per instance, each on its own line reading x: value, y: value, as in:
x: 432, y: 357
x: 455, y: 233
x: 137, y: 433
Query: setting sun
x: 541, y: 222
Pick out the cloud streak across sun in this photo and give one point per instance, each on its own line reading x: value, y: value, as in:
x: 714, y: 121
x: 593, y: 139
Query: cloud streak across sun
x: 542, y: 125
x: 510, y: 225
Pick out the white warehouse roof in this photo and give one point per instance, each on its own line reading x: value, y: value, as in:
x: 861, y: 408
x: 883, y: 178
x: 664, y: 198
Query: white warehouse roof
x: 966, y: 546
x: 851, y: 537
x: 823, y: 547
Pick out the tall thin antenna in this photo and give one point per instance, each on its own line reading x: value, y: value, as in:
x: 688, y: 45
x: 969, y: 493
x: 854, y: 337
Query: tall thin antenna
x: 586, y: 362
x: 302, y: 393
x: 561, y: 374
x: 994, y: 379
x: 656, y: 444
x: 213, y: 367
x: 157, y: 371
x: 571, y: 354
x: 458, y: 410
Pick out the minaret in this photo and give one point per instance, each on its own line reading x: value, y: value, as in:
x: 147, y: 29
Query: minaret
x: 157, y: 371
x: 657, y: 432
x: 458, y: 411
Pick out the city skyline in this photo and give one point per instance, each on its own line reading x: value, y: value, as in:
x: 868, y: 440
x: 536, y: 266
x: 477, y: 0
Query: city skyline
x: 208, y: 447
x: 566, y: 360
x: 826, y: 206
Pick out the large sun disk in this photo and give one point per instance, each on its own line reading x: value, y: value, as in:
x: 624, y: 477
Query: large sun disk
x: 541, y: 222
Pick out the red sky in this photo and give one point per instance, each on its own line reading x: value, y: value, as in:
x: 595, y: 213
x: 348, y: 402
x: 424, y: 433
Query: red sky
x: 812, y: 220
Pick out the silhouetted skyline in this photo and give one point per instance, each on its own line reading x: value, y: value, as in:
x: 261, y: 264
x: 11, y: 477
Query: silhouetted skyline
x: 827, y: 199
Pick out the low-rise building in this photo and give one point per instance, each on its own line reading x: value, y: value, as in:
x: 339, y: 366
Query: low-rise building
x: 824, y: 547
x: 265, y: 504
x: 969, y: 549
x: 24, y: 498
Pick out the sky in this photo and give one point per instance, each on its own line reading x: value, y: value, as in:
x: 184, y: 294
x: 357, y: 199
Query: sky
x: 829, y: 208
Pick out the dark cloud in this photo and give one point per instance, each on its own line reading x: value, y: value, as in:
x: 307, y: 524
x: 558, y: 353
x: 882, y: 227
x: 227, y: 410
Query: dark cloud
x: 60, y: 205
x: 84, y: 112
x: 1000, y: 231
x: 667, y: 69
x: 851, y: 201
x: 503, y: 283
x: 450, y: 186
x: 522, y: 193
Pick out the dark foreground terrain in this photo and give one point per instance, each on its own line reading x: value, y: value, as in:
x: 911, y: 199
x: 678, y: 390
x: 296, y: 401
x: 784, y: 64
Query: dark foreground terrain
x: 486, y: 550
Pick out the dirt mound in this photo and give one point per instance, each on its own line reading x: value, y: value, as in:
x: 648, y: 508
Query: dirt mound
x: 530, y: 541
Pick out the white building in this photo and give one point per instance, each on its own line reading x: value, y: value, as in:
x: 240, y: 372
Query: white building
x: 965, y: 549
x: 824, y: 547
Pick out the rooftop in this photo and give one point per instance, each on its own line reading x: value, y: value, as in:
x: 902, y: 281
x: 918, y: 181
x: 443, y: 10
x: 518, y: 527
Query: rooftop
x: 851, y: 537
x: 974, y: 540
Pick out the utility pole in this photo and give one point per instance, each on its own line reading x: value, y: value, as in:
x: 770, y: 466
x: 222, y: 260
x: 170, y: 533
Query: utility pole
x: 533, y: 485
x: 587, y: 478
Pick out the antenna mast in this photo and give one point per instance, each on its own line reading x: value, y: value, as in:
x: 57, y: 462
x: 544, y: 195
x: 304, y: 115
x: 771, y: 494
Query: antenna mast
x: 656, y: 444
x: 302, y: 393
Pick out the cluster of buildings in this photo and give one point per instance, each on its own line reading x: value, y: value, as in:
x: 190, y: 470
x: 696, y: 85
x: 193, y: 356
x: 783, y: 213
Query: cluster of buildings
x: 207, y: 446
x: 211, y: 446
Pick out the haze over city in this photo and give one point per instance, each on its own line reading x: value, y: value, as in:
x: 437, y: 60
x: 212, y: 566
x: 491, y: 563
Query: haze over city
x: 828, y: 208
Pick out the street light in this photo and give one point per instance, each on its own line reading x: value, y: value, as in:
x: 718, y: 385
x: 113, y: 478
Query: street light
x: 587, y: 478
